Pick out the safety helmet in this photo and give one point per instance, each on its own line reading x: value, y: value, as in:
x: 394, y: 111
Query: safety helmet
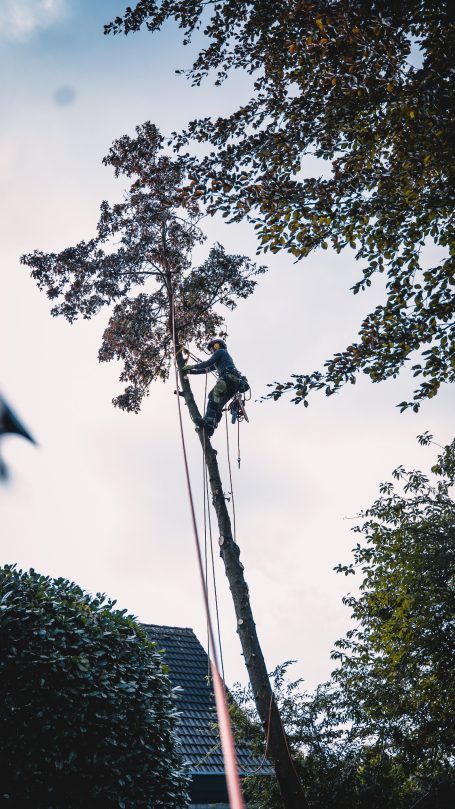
x: 214, y: 340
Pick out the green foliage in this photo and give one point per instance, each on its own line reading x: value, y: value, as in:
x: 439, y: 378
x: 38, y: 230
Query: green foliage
x: 335, y: 80
x: 139, y: 265
x: 337, y: 771
x: 395, y: 663
x: 380, y: 734
x: 88, y: 716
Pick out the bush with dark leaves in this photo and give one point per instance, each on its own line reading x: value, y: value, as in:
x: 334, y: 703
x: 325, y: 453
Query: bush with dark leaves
x: 88, y: 716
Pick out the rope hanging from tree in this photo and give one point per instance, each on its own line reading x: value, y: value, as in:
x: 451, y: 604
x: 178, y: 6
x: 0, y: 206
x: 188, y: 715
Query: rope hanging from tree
x: 208, y: 520
x: 227, y: 739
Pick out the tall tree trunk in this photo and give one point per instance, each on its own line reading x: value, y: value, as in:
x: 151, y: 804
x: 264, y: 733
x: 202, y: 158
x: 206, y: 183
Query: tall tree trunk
x: 278, y: 749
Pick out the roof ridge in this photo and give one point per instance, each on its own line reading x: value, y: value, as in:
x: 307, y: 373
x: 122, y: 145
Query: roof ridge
x: 166, y: 626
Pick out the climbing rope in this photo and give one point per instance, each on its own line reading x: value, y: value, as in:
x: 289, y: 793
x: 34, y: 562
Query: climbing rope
x: 205, y: 534
x: 264, y: 757
x: 207, y: 519
x: 230, y: 478
x: 206, y: 507
x: 224, y: 721
x: 215, y: 593
x: 198, y: 359
x: 227, y: 739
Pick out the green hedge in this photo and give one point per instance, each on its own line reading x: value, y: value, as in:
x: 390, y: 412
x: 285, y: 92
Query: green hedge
x: 88, y: 715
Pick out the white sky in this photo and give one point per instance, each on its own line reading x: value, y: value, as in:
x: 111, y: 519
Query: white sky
x: 102, y: 501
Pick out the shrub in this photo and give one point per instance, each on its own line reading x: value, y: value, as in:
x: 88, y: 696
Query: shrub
x: 88, y: 716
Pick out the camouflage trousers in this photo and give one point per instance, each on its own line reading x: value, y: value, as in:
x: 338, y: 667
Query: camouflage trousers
x: 226, y: 387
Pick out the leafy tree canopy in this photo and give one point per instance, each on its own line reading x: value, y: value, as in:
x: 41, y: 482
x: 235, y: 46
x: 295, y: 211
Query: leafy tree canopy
x: 139, y: 264
x: 88, y: 716
x: 336, y: 80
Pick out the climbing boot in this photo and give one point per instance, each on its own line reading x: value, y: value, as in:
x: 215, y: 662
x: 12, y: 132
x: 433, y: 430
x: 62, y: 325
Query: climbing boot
x: 202, y: 424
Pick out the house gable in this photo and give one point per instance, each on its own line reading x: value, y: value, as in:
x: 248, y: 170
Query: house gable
x: 199, y: 740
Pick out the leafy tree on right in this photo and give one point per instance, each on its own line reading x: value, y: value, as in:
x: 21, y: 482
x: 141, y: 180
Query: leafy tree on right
x: 397, y: 663
x: 380, y: 733
x: 338, y: 80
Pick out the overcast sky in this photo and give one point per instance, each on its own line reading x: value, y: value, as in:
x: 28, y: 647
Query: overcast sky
x: 102, y: 500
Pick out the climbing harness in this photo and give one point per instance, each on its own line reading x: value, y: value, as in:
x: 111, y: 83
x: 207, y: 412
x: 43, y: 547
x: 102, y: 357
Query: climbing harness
x: 238, y: 413
x: 237, y: 408
x: 227, y: 739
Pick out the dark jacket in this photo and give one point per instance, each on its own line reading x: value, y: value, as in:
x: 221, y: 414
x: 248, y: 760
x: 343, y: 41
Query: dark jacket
x: 220, y: 361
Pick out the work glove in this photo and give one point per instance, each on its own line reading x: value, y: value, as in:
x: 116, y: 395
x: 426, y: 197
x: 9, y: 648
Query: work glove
x: 187, y: 369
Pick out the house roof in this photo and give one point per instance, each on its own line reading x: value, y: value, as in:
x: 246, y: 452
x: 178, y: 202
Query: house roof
x: 197, y: 731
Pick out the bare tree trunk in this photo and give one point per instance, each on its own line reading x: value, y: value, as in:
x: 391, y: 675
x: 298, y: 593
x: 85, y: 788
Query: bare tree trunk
x: 278, y: 749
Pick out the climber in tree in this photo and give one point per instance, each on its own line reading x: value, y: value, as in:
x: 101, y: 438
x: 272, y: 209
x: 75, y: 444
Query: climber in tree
x: 230, y: 381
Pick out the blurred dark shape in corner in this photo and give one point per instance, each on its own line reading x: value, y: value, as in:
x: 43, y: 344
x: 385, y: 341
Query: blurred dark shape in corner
x: 10, y: 424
